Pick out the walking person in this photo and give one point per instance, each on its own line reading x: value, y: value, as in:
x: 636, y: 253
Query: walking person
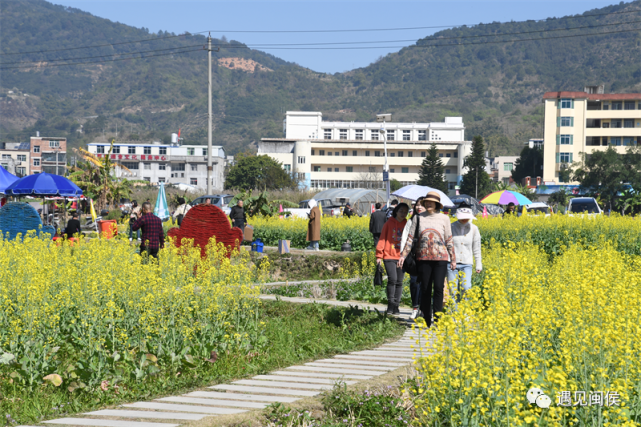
x: 314, y: 225
x: 390, y: 210
x: 181, y: 211
x: 388, y: 251
x: 153, y: 237
x: 415, y: 283
x: 376, y: 223
x: 133, y: 216
x: 238, y: 216
x: 467, y: 247
x: 435, y: 248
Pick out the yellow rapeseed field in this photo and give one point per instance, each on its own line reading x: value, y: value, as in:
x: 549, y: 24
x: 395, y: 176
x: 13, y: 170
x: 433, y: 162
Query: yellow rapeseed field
x: 570, y: 326
x: 94, y: 312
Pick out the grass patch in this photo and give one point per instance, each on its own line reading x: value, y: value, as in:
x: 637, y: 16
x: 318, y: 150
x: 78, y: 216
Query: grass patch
x: 295, y: 333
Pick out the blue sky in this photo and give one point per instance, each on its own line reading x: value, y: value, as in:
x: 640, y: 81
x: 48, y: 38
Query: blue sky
x: 223, y: 17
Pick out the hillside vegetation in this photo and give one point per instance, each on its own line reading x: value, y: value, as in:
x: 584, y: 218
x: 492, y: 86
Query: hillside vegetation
x: 496, y: 87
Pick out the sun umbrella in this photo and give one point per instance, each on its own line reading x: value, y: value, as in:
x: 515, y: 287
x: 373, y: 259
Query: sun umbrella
x: 413, y: 192
x: 6, y: 179
x: 505, y: 197
x: 161, y: 210
x: 43, y: 184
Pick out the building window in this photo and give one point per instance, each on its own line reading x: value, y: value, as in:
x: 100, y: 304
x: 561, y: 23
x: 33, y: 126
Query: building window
x: 565, y: 139
x: 321, y: 152
x: 392, y: 154
x: 617, y: 105
x: 193, y: 181
x: 423, y: 153
x: 147, y: 166
x: 335, y: 169
x: 22, y: 157
x: 374, y: 135
x: 179, y: 167
x: 359, y: 134
x: 455, y: 154
x: 615, y: 141
x: 131, y: 165
x: 372, y: 168
x: 162, y: 179
x: 6, y: 157
x: 288, y: 168
x: 422, y: 135
x: 131, y: 150
x: 400, y: 154
x: 440, y: 154
x: 54, y: 144
x: 405, y: 170
x: 628, y: 123
x: 566, y: 103
x: 407, y: 135
x: 629, y: 105
x: 508, y: 166
x: 616, y: 123
x: 447, y: 171
x: 377, y: 154
x: 313, y: 152
x: 366, y: 153
x: 349, y: 169
x: 317, y: 168
x: 162, y: 166
x: 194, y: 168
x: 301, y: 160
x: 354, y: 153
x: 329, y: 169
x: 343, y: 134
x: 344, y: 152
x: 163, y: 151
x: 116, y: 149
x: 99, y: 149
x: 448, y: 155
x: 337, y: 153
x: 564, y: 157
x: 566, y: 121
x: 36, y: 162
x: 629, y: 141
x: 36, y: 148
x: 330, y: 153
x: 327, y: 133
x: 191, y: 151
x: 410, y: 154
x: 391, y: 135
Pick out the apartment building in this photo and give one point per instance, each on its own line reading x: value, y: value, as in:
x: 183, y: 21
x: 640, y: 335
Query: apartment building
x: 584, y: 122
x: 48, y: 155
x: 164, y: 163
x: 501, y: 168
x: 351, y: 154
x: 15, y: 157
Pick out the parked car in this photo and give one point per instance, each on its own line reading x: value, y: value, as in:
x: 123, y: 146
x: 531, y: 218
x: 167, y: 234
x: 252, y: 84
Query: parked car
x: 538, y: 208
x: 328, y: 207
x: 220, y: 200
x: 477, y: 207
x: 583, y: 205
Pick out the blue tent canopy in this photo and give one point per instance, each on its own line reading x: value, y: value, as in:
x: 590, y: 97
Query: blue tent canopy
x: 44, y: 184
x: 6, y: 179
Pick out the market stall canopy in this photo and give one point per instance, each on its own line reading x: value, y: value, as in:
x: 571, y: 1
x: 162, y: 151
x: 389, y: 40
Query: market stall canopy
x: 6, y: 179
x: 414, y: 192
x: 43, y: 185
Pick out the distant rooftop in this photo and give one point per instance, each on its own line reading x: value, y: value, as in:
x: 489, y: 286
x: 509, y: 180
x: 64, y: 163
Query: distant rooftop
x: 593, y: 96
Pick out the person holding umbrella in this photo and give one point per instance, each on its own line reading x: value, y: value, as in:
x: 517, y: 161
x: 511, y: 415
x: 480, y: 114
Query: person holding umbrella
x: 435, y: 251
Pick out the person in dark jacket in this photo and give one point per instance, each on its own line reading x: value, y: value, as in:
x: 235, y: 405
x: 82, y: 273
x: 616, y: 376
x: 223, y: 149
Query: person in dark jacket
x: 153, y: 237
x: 73, y: 226
x: 238, y: 215
x: 348, y: 211
x: 391, y: 208
x: 376, y: 223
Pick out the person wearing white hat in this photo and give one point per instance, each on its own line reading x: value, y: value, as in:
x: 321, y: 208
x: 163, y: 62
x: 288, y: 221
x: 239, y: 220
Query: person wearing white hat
x: 467, y: 247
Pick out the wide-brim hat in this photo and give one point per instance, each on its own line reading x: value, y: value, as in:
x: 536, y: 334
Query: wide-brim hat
x: 465, y: 213
x: 432, y: 196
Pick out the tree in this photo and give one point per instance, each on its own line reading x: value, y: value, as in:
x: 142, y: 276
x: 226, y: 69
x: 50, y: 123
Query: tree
x: 529, y: 164
x: 526, y: 191
x: 258, y: 172
x: 395, y: 184
x: 603, y: 173
x: 559, y: 198
x: 476, y: 181
x: 431, y: 172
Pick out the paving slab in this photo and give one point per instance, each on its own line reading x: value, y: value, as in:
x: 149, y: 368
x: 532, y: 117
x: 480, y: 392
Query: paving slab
x: 324, y: 375
x: 281, y: 384
x: 308, y: 380
x: 361, y: 362
x: 336, y: 370
x: 239, y: 396
x: 146, y: 414
x: 369, y: 358
x: 215, y: 402
x: 265, y: 390
x: 105, y: 423
x: 183, y: 408
x: 383, y: 353
x: 347, y: 366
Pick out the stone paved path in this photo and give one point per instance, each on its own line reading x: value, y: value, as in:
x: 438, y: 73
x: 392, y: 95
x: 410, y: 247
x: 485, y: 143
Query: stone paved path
x: 287, y: 385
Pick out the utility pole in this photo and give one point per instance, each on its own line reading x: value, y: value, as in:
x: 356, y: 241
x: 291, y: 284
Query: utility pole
x: 209, y: 133
x: 476, y: 191
x: 381, y: 118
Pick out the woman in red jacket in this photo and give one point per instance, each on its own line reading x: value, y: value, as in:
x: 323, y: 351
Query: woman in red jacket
x: 388, y: 250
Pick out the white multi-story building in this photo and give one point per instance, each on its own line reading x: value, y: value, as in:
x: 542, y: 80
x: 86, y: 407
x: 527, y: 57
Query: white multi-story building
x: 169, y: 163
x: 351, y: 154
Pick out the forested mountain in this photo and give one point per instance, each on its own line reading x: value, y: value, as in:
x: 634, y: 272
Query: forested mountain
x: 470, y: 71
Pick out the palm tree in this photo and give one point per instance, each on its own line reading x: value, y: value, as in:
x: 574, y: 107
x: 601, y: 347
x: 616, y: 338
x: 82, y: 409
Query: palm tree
x: 500, y: 186
x: 526, y: 191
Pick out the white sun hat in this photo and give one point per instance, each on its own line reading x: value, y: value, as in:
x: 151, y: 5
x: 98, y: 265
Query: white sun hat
x: 465, y: 213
